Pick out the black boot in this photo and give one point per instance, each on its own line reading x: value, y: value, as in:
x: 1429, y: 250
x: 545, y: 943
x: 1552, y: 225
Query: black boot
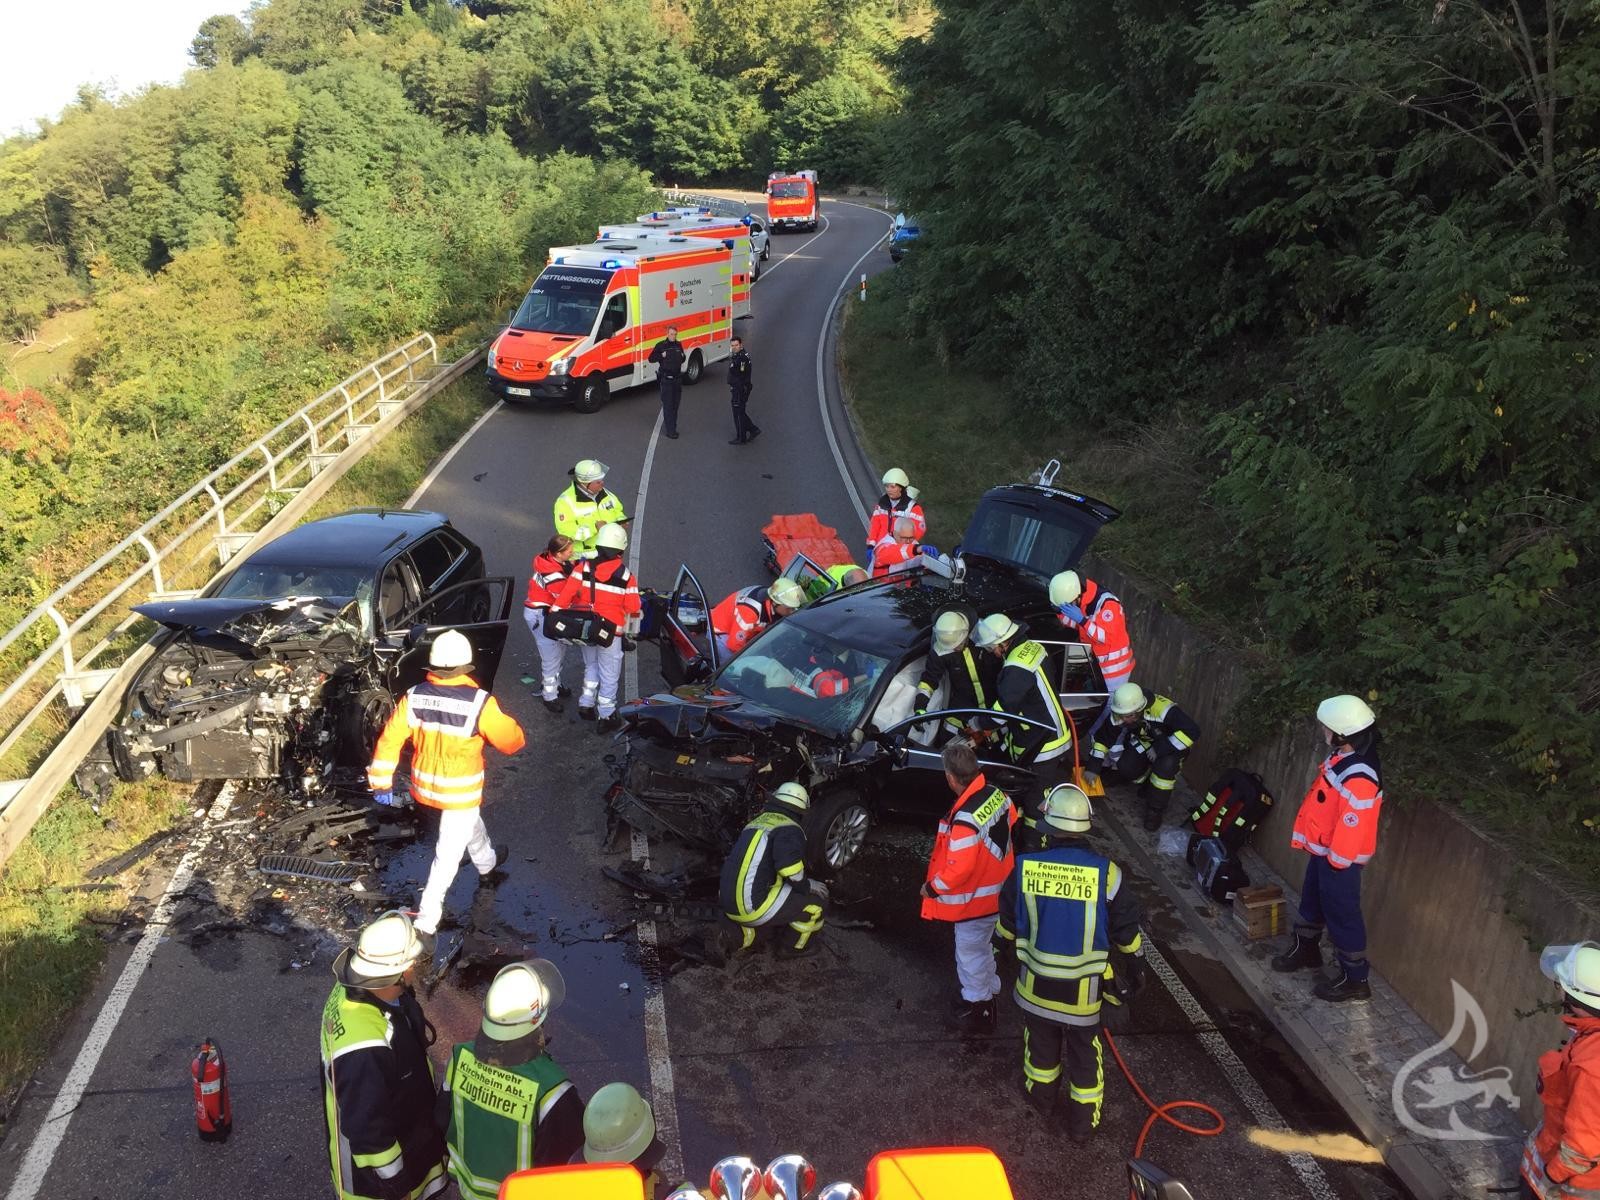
x: 496, y: 874
x: 976, y: 1018
x: 1302, y: 953
x: 608, y: 724
x: 555, y: 706
x: 1343, y: 988
x: 587, y: 714
x: 1080, y: 1122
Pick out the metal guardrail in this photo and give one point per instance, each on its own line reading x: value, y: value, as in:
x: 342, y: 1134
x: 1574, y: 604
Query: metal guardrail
x: 84, y: 625
x: 719, y: 205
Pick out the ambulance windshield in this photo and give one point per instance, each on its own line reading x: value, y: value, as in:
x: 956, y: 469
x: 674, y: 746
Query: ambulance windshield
x: 792, y: 189
x: 563, y: 300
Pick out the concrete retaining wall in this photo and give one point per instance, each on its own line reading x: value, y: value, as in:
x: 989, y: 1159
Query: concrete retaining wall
x: 1442, y: 901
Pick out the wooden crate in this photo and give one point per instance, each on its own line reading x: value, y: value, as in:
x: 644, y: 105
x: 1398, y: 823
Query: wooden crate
x: 1260, y: 912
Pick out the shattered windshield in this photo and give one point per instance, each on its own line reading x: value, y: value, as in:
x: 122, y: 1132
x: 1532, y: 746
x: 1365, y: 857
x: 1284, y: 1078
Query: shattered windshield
x: 806, y: 675
x: 312, y: 621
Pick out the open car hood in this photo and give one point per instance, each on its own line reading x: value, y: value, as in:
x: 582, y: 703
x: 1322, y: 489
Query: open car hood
x: 691, y: 711
x: 257, y: 623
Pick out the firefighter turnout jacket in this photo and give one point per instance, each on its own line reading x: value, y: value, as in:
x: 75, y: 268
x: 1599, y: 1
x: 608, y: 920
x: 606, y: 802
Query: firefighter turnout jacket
x: 881, y: 525
x: 600, y: 585
x: 743, y: 616
x: 1338, y: 819
x: 447, y: 719
x: 1561, y: 1158
x: 507, y: 1118
x: 972, y: 855
x: 580, y: 515
x: 768, y: 858
x: 378, y: 1100
x: 1071, y: 911
x: 1104, y: 629
x: 1162, y: 728
x: 968, y: 675
x: 548, y: 573
x: 1024, y: 690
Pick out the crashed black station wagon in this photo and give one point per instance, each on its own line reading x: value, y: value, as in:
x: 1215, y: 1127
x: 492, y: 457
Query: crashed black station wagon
x: 826, y: 695
x: 286, y: 667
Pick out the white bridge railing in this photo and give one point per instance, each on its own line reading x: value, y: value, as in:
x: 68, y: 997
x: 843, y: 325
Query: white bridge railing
x: 79, y: 641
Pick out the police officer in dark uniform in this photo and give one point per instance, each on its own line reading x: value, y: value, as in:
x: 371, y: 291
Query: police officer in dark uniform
x: 744, y: 429
x: 668, y: 355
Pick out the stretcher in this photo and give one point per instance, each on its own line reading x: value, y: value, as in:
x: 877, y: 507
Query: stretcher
x: 786, y: 536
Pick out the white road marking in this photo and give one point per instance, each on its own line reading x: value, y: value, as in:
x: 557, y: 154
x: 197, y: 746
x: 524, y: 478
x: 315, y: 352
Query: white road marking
x: 36, y: 1165
x: 1266, y: 1113
x: 658, y: 1051
x: 427, y: 480
x: 769, y: 270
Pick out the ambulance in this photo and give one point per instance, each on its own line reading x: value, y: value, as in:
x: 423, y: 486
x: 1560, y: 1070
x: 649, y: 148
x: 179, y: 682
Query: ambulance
x: 792, y: 200
x: 586, y: 327
x: 669, y: 223
x: 686, y: 217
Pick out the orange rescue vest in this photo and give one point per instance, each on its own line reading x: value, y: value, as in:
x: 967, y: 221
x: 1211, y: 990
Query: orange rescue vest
x: 446, y: 720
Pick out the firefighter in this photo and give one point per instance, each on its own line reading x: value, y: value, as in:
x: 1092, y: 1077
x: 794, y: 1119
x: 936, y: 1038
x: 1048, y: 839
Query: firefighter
x: 585, y: 506
x: 550, y: 569
x: 1071, y: 910
x: 1097, y: 617
x: 764, y: 878
x: 1146, y: 745
x: 668, y: 355
x: 899, y: 550
x: 744, y: 615
x: 1561, y: 1158
x: 847, y: 575
x: 447, y: 719
x: 896, y: 501
x: 1337, y: 826
x: 620, y: 1127
x: 605, y: 586
x: 739, y: 368
x: 377, y: 1084
x: 505, y: 1105
x: 1023, y: 689
x: 972, y: 856
x: 967, y: 674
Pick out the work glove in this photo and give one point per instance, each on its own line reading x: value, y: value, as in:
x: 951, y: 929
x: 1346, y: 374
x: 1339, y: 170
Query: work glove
x: 1115, y: 1014
x: 819, y: 889
x: 583, y: 533
x: 629, y: 645
x: 385, y: 798
x: 1090, y: 778
x: 930, y: 551
x: 1130, y: 976
x: 1070, y: 613
x: 921, y: 706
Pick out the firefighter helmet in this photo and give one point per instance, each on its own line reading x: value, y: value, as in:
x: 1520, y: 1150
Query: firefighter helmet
x: 949, y: 631
x: 383, y: 952
x: 1345, y: 715
x: 1067, y: 809
x: 1127, y: 699
x: 786, y: 593
x: 894, y: 475
x: 1576, y: 968
x: 994, y: 629
x: 520, y: 998
x: 618, y: 1125
x: 611, y: 536
x: 590, y: 470
x: 792, y: 795
x: 1065, y: 588
x: 450, y: 650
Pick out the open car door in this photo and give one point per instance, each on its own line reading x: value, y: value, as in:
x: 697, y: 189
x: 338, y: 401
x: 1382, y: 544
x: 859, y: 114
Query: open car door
x: 813, y: 580
x: 918, y: 743
x: 689, y: 652
x: 1075, y: 673
x: 478, y: 608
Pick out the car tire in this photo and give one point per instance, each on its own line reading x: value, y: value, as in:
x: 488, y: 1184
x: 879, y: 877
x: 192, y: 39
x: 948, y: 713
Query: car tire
x: 766, y: 250
x: 836, y: 828
x: 755, y: 271
x: 593, y: 395
x: 694, y: 368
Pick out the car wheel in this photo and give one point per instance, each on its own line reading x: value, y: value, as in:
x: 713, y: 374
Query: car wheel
x: 755, y: 271
x: 766, y: 250
x: 594, y: 394
x: 694, y: 368
x: 836, y: 830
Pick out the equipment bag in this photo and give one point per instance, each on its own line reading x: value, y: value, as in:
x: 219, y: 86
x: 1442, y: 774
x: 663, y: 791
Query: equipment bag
x: 1233, y: 808
x: 1217, y: 870
x: 580, y: 626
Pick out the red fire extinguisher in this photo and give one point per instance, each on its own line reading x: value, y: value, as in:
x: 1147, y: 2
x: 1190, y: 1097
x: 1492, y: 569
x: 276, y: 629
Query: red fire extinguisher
x: 213, y: 1111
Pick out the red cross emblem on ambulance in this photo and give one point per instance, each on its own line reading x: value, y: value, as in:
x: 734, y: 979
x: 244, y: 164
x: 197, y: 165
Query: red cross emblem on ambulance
x: 672, y: 295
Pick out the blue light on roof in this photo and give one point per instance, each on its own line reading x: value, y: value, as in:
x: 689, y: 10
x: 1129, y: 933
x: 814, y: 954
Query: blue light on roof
x: 612, y: 263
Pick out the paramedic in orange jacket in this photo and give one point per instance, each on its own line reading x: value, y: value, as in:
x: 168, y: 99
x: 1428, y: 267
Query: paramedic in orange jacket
x: 745, y: 615
x: 972, y: 855
x: 1338, y: 827
x: 447, y: 719
x: 603, y: 585
x: 1561, y: 1158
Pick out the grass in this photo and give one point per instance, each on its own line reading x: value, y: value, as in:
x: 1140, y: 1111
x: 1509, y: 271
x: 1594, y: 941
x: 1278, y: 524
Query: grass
x: 50, y: 936
x: 54, y: 353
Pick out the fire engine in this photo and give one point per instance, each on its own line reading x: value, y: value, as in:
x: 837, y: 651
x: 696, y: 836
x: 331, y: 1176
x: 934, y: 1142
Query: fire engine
x: 792, y: 200
x: 586, y: 327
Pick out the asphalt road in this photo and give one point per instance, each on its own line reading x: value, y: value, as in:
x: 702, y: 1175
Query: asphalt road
x: 836, y: 1057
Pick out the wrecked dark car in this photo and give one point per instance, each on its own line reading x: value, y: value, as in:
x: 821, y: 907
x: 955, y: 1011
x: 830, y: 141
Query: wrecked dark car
x: 826, y: 695
x: 288, y: 665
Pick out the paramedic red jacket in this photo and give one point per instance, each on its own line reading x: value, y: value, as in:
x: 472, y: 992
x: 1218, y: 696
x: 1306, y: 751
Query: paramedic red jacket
x: 972, y: 855
x: 1561, y: 1159
x: 1104, y: 630
x: 602, y: 585
x: 1338, y: 819
x: 548, y: 573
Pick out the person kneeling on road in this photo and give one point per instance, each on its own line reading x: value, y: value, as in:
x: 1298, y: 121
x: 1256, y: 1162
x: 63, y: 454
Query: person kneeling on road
x: 447, y: 719
x: 764, y: 878
x: 1146, y: 744
x: 1070, y: 910
x: 972, y: 857
x: 505, y: 1105
x: 603, y: 585
x: 744, y: 615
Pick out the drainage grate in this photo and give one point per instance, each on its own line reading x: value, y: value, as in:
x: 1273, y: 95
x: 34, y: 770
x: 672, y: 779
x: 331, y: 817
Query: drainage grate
x: 301, y: 867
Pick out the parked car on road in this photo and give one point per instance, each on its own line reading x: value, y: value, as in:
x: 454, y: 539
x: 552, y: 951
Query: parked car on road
x: 903, y: 236
x: 286, y: 667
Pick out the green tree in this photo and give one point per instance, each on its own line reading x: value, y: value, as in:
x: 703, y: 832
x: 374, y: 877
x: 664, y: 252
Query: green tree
x: 220, y: 39
x: 33, y: 284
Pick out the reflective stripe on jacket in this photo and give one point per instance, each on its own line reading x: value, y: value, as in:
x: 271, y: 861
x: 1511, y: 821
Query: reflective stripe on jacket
x: 575, y: 509
x: 1561, y: 1158
x: 768, y: 856
x: 887, y: 511
x: 548, y: 573
x: 890, y: 555
x: 603, y: 586
x: 1338, y: 819
x: 1025, y: 691
x: 446, y: 720
x: 742, y: 616
x: 1162, y: 727
x: 972, y: 855
x: 1104, y: 630
x: 969, y: 673
x: 495, y: 1118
